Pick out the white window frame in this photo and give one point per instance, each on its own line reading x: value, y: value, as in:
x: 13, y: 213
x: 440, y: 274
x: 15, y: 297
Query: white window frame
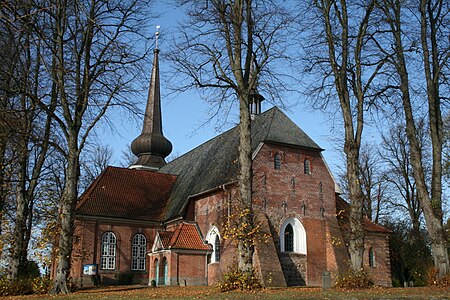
x: 211, y: 239
x: 138, y: 252
x: 300, y: 245
x: 108, y: 251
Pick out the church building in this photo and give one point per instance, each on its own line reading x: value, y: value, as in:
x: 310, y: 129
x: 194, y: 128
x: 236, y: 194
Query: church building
x: 163, y: 223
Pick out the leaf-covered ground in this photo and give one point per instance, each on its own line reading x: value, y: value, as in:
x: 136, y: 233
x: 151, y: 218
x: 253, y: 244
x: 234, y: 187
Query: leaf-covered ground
x: 179, y: 293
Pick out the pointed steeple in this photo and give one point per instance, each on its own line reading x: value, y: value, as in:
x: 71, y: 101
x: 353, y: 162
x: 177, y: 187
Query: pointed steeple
x: 151, y: 147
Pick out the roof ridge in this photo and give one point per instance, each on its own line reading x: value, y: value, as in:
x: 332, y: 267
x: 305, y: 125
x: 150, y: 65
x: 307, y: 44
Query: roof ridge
x: 176, y: 234
x: 235, y: 127
x: 272, y: 117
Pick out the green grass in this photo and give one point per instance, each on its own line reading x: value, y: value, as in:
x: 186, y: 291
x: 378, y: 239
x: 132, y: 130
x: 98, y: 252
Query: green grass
x: 184, y: 293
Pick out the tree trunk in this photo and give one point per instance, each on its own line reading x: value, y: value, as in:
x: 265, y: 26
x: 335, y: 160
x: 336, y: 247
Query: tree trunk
x: 245, y: 247
x: 430, y: 14
x: 67, y: 208
x: 339, y: 53
x: 431, y: 206
x: 356, y: 234
x: 18, y: 243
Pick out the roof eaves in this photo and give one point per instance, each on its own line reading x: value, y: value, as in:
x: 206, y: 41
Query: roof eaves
x: 258, y: 148
x: 116, y: 219
x: 294, y: 146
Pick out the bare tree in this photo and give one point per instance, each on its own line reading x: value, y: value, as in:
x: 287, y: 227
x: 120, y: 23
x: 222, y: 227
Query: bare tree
x: 229, y: 49
x: 94, y: 62
x: 339, y: 52
x: 396, y: 153
x: 373, y: 181
x: 446, y: 148
x: 8, y: 61
x: 434, y: 50
x: 94, y: 162
x: 31, y: 125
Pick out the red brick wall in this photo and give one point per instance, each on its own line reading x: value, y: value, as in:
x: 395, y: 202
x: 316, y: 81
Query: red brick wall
x: 381, y: 271
x: 281, y: 194
x: 87, y: 250
x: 288, y: 192
x: 184, y: 268
x: 192, y: 269
x: 337, y: 257
x: 212, y: 210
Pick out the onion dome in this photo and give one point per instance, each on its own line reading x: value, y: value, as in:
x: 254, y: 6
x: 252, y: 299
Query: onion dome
x: 151, y: 147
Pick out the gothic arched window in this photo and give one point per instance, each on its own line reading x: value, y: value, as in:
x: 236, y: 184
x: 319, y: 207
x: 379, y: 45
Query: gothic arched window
x: 293, y: 236
x: 289, y: 238
x: 138, y: 252
x: 108, y: 251
x: 213, y: 238
x: 217, y: 249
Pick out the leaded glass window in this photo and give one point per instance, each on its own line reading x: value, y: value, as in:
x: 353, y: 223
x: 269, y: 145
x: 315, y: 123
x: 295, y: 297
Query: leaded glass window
x: 108, y: 251
x: 289, y: 238
x: 138, y: 252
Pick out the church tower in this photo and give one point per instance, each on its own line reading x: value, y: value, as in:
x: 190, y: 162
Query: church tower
x: 151, y: 147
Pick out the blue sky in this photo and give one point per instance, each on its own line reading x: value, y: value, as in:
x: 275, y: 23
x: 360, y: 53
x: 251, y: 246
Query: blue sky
x: 184, y: 114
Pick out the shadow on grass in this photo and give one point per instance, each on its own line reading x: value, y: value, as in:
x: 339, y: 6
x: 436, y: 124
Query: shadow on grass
x: 113, y: 288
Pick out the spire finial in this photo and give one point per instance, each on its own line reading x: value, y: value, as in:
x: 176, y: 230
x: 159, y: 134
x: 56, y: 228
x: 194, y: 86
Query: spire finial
x: 157, y: 35
x: 151, y: 147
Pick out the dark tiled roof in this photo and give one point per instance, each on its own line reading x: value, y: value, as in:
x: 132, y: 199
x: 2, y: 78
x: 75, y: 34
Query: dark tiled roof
x: 343, y: 216
x: 216, y: 161
x: 128, y: 194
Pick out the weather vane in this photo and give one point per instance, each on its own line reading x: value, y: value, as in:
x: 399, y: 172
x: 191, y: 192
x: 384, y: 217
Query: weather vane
x: 157, y: 35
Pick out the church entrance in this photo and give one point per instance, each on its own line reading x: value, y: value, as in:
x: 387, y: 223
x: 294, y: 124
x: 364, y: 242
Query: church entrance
x: 157, y: 272
x: 164, y: 278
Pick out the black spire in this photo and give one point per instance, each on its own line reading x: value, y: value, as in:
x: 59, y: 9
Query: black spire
x: 151, y: 147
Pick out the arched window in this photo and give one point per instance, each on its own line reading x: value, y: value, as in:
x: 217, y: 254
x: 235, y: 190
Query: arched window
x: 138, y: 252
x: 371, y: 257
x: 293, y: 236
x: 108, y: 251
x: 289, y: 238
x: 277, y: 162
x: 217, y: 249
x: 213, y: 238
x: 307, y: 166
